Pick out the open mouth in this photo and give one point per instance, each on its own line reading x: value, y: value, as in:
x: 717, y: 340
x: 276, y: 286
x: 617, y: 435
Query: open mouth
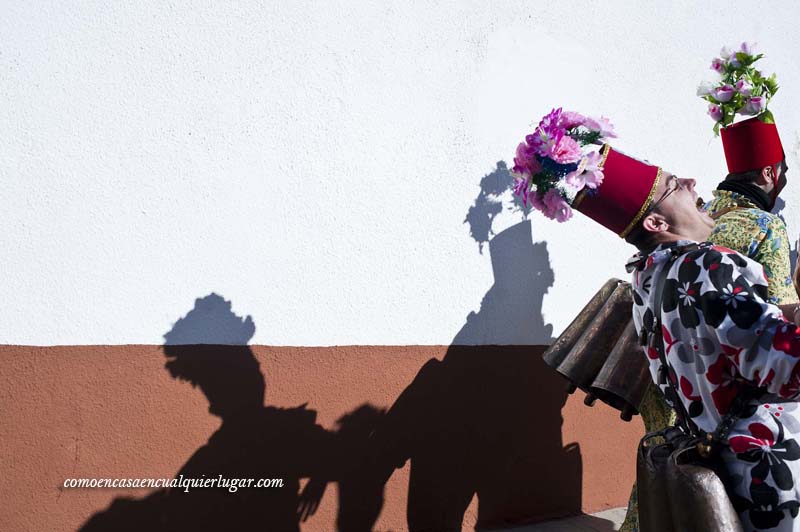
x: 700, y: 204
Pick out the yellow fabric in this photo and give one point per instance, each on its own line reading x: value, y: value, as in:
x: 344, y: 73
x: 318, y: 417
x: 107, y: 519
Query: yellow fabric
x: 759, y: 235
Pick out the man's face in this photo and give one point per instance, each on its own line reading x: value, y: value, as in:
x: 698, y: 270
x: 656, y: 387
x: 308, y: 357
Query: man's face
x: 681, y: 208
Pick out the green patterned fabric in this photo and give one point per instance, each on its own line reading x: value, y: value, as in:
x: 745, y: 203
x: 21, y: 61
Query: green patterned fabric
x: 757, y: 234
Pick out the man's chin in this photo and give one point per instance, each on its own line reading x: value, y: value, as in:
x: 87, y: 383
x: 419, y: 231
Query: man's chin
x: 706, y: 219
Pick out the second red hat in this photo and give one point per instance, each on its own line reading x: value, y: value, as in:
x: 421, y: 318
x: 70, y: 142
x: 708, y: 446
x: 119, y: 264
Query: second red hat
x: 751, y: 145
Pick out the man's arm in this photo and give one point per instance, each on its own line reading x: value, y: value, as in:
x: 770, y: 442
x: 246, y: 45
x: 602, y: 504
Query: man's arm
x: 765, y: 349
x: 773, y: 254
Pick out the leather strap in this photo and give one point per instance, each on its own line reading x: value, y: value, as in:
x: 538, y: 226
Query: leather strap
x: 726, y: 210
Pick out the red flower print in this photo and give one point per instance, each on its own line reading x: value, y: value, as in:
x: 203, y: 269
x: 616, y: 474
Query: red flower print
x: 791, y: 388
x: 786, y: 340
x: 688, y: 390
x: 768, y: 451
x: 722, y: 249
x: 764, y: 382
x: 723, y: 374
x: 667, y: 339
x: 761, y: 437
x: 730, y: 351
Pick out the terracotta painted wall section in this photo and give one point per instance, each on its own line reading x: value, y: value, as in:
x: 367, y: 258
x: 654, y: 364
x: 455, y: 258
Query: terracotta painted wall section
x: 488, y: 420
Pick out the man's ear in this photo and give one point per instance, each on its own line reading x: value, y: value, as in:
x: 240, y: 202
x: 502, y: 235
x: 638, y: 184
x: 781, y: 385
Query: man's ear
x: 655, y: 223
x: 766, y: 176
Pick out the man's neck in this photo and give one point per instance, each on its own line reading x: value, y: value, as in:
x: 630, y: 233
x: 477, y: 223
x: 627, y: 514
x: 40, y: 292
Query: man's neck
x: 755, y: 193
x: 667, y: 238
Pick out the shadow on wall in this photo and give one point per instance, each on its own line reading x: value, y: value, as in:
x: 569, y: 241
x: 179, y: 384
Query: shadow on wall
x: 486, y: 419
x: 254, y: 441
x: 511, y: 311
x: 483, y: 421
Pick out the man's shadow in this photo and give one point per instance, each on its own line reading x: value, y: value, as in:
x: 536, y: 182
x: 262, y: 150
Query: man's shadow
x: 486, y: 419
x: 254, y: 441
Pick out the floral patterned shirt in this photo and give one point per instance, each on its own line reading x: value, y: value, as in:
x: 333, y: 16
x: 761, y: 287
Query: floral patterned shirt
x: 757, y: 234
x: 720, y: 334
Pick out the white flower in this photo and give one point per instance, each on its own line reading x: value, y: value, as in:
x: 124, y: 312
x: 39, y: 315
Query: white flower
x: 705, y: 88
x: 684, y: 293
x: 731, y: 296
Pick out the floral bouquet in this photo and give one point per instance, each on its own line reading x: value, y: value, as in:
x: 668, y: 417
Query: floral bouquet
x: 742, y: 89
x: 552, y: 166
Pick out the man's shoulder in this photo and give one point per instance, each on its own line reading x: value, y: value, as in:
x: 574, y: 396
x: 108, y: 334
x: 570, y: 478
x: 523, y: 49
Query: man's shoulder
x: 728, y: 207
x: 710, y: 255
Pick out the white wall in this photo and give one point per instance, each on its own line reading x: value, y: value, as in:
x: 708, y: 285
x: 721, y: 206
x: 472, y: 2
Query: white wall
x: 314, y: 162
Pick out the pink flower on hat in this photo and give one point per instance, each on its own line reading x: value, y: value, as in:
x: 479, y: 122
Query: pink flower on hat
x: 556, y: 207
x: 743, y: 88
x: 718, y: 65
x: 564, y: 150
x: 525, y: 162
x: 521, y: 186
x: 715, y: 112
x: 551, y: 165
x: 724, y: 93
x: 748, y: 48
x: 601, y: 125
x: 570, y: 119
x: 589, y: 174
x: 754, y: 106
x: 537, y: 201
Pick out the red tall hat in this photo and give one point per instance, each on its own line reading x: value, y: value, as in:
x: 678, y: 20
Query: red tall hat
x: 751, y: 145
x: 626, y: 193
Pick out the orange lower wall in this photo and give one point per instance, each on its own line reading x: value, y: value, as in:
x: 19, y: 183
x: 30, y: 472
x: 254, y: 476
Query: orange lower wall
x: 483, y: 420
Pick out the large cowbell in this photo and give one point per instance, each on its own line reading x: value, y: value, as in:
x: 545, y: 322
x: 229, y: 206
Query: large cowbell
x: 599, y: 351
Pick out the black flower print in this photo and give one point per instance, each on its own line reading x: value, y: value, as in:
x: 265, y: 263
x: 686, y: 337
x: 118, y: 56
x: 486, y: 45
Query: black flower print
x: 684, y: 293
x: 768, y: 452
x: 764, y: 510
x: 732, y: 298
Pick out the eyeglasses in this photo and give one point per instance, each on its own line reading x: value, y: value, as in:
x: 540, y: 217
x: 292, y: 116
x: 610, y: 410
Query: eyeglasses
x: 673, y: 184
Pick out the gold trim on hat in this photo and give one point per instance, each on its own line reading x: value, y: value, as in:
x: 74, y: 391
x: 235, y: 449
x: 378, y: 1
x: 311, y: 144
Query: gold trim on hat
x: 644, y: 208
x: 605, y: 151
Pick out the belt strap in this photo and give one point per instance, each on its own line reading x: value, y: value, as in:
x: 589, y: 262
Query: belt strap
x: 726, y: 210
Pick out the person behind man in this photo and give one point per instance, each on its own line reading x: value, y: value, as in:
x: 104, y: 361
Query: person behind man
x: 743, y: 201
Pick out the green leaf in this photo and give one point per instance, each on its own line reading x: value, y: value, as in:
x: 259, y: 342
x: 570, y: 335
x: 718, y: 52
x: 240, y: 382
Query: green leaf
x: 743, y: 58
x: 716, y: 128
x: 771, y: 83
x: 767, y: 117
